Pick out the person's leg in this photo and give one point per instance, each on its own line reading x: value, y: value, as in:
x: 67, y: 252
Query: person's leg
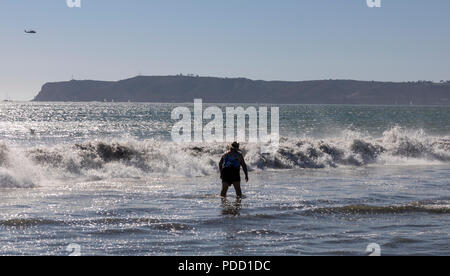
x: 225, y: 186
x: 237, y: 188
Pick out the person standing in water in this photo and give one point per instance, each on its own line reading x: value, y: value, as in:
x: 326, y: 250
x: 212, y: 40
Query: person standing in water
x: 230, y: 170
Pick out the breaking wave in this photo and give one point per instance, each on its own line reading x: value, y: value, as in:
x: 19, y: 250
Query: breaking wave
x: 16, y: 172
x: 22, y: 167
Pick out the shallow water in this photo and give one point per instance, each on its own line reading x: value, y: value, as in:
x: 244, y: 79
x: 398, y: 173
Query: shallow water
x: 107, y: 177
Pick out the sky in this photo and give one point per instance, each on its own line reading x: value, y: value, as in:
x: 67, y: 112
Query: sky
x: 294, y: 40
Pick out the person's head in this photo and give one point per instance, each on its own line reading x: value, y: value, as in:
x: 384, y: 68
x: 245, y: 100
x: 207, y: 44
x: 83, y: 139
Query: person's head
x: 235, y: 146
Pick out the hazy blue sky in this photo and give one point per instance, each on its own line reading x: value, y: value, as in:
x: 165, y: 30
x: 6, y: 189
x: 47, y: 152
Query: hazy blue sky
x: 258, y: 39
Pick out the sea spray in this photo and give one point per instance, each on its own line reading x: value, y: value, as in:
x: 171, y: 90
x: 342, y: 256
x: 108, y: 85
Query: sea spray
x: 26, y: 166
x: 16, y: 170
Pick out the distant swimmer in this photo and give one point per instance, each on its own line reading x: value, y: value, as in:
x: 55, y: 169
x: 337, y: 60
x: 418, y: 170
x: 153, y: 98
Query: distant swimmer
x: 230, y: 170
x: 30, y: 31
x: 32, y: 131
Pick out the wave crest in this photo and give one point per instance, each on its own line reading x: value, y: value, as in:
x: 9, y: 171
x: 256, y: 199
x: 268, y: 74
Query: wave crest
x: 415, y: 207
x: 135, y: 159
x: 15, y: 171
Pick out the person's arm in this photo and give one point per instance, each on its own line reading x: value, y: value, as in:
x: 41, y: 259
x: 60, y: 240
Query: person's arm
x: 221, y: 166
x: 244, y: 166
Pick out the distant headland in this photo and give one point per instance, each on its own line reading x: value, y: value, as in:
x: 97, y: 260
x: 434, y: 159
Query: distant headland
x: 179, y: 89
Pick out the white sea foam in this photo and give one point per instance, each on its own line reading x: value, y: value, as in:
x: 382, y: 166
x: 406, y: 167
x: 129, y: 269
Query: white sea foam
x: 25, y: 167
x: 16, y: 170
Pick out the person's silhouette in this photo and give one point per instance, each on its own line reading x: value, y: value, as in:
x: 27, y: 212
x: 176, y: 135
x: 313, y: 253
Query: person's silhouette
x: 230, y: 170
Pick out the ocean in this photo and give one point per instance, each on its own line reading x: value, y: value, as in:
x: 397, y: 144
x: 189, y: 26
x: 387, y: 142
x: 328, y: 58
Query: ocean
x: 107, y: 179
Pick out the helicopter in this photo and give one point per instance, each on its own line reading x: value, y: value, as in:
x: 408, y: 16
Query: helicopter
x: 30, y: 31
